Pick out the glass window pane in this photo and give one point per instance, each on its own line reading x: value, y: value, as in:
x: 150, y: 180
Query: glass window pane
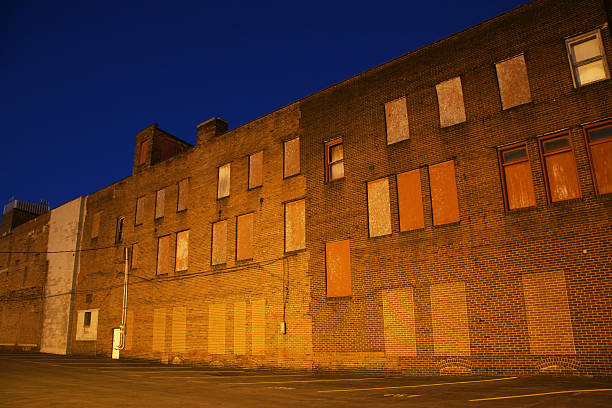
x: 591, y: 72
x: 512, y: 155
x: 337, y: 170
x: 336, y: 153
x: 556, y: 144
x: 586, y: 49
x: 600, y: 133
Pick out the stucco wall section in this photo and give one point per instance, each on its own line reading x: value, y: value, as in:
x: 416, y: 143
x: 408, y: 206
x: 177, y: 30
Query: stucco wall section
x: 398, y: 315
x: 64, y: 231
x: 450, y: 319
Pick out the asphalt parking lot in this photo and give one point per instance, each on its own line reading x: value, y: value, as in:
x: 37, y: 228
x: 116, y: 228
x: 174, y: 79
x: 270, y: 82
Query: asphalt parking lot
x: 41, y: 380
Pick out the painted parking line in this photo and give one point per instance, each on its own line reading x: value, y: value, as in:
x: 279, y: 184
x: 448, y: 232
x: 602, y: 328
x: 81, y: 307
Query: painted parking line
x: 541, y: 393
x: 418, y: 385
x: 310, y: 381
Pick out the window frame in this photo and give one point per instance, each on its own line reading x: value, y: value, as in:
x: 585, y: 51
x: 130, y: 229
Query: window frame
x: 157, y: 271
x: 544, y: 155
x: 212, y: 242
x: 249, y: 187
x: 586, y: 129
x: 120, y: 225
x: 219, y: 179
x: 285, y: 225
x: 250, y: 213
x: 178, y: 194
x: 327, y: 156
x: 570, y: 42
x: 163, y: 207
x: 87, y: 318
x: 136, y: 223
x: 502, y: 174
x: 299, y: 158
x: 176, y: 243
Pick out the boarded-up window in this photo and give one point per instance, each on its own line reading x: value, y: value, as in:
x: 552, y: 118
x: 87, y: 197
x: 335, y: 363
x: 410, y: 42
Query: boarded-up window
x: 396, y: 115
x: 223, y: 181
x: 410, y: 200
x: 160, y: 202
x: 256, y: 170
x: 516, y: 177
x: 450, y: 102
x: 513, y: 82
x: 451, y: 333
x: 134, y: 262
x: 140, y: 202
x: 182, y: 251
x: 338, y: 267
x: 163, y: 254
x: 334, y: 160
x: 219, y: 242
x: 159, y: 330
x: 216, y: 329
x: 295, y: 225
x: 244, y: 236
x: 444, y: 202
x: 292, y: 157
x: 379, y: 208
x: 548, y: 314
x: 240, y: 328
x: 95, y: 225
x: 560, y: 172
x: 599, y: 140
x: 183, y: 195
x: 144, y: 150
x: 258, y: 317
x: 179, y: 332
x: 399, y: 326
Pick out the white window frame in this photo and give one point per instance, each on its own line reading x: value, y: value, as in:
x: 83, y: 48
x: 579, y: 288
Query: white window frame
x: 570, y: 42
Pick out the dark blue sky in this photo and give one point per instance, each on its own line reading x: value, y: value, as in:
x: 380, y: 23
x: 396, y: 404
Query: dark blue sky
x: 80, y: 78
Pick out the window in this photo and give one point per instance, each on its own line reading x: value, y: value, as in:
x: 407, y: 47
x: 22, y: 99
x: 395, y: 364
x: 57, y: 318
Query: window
x: 443, y: 185
x: 160, y: 202
x: 513, y: 82
x: 338, y: 268
x: 139, y: 211
x: 291, y: 157
x: 163, y: 254
x: 410, y: 201
x: 396, y: 117
x: 255, y: 170
x: 223, y: 181
x: 334, y: 160
x: 295, y: 222
x: 219, y: 242
x: 142, y: 154
x: 87, y: 319
x: 95, y: 225
x: 599, y: 141
x: 517, y: 182
x: 244, y: 236
x: 450, y: 102
x: 182, y: 251
x: 379, y: 208
x: 87, y: 325
x: 560, y: 174
x: 134, y: 260
x: 587, y: 58
x: 119, y: 232
x: 183, y: 195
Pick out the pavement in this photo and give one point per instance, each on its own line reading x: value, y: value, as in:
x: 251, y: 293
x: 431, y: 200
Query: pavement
x: 29, y: 379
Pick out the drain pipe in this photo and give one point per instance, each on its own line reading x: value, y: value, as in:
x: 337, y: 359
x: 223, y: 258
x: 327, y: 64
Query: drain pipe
x: 126, y: 253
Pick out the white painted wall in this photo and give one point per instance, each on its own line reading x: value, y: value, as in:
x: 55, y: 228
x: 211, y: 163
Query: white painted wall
x: 64, y: 230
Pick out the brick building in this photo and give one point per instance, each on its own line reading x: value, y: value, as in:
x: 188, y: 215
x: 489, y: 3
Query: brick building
x: 446, y: 212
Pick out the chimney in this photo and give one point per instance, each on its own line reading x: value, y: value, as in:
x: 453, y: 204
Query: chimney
x: 211, y: 128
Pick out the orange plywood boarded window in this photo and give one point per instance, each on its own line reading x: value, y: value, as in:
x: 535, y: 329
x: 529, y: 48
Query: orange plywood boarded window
x: 95, y: 225
x: 163, y: 254
x: 219, y: 242
x: 160, y: 202
x: 256, y: 170
x: 561, y: 175
x: 182, y: 251
x: 444, y: 201
x: 183, y: 195
x: 134, y: 263
x: 513, y: 82
x: 140, y: 202
x: 295, y: 225
x: 292, y: 157
x: 516, y: 177
x: 223, y: 181
x: 379, y: 208
x: 450, y: 102
x: 338, y: 267
x: 244, y: 236
x: 410, y: 201
x: 142, y: 154
x: 599, y: 139
x: 396, y: 115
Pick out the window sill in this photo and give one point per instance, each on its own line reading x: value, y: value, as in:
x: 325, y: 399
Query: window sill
x: 291, y: 176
